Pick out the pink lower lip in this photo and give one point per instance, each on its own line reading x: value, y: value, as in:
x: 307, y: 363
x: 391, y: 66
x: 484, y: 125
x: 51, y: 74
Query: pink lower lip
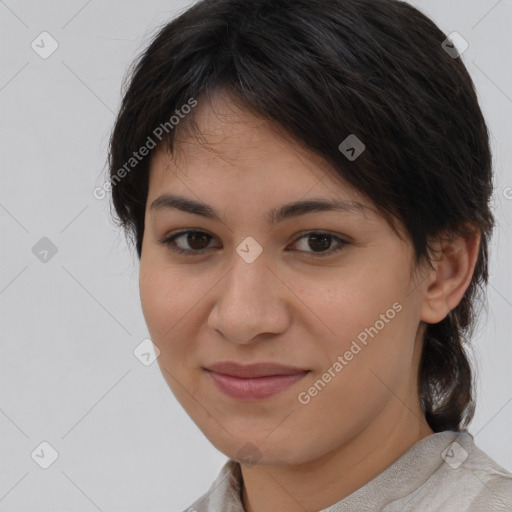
x: 256, y: 388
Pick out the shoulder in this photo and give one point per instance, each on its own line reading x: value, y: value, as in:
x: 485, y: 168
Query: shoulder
x: 492, y: 483
x: 467, y: 480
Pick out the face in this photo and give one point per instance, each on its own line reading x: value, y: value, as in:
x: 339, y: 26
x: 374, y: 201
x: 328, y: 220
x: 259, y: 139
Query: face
x: 330, y: 292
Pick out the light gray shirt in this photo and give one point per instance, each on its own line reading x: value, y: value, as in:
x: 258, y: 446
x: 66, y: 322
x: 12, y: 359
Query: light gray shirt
x: 444, y: 472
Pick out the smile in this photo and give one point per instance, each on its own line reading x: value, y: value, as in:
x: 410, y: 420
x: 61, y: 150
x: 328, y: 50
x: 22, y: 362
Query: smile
x: 255, y: 388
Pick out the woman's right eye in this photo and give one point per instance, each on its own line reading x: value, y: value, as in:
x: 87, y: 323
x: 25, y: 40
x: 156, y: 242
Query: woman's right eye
x: 193, y: 238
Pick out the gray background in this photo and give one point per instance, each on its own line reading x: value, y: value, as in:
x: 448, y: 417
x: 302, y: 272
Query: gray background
x: 68, y: 374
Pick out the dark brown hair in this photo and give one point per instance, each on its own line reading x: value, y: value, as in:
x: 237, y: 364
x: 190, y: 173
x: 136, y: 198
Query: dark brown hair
x: 323, y: 70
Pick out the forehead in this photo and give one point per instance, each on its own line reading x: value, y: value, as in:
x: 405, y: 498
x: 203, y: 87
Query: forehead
x: 227, y: 136
x: 231, y: 147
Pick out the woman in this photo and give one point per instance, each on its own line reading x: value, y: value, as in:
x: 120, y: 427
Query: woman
x: 307, y: 184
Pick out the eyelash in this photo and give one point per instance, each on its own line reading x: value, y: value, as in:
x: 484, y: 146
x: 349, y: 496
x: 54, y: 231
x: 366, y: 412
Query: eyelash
x: 170, y: 243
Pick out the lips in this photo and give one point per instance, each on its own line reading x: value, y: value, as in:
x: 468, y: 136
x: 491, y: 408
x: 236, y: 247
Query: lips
x: 265, y: 369
x: 253, y: 382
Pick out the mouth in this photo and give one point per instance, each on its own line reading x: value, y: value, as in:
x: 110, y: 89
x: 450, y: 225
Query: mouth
x: 253, y: 382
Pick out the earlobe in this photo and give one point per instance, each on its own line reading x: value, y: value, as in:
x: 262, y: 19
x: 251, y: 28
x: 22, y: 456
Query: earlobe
x: 453, y: 270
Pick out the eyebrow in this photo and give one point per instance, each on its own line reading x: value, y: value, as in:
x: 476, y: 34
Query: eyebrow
x: 286, y: 211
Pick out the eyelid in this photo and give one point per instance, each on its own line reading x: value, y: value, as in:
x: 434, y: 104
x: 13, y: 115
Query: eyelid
x: 168, y: 241
x: 342, y: 242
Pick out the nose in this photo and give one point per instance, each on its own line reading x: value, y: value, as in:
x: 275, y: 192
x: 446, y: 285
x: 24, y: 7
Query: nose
x: 251, y: 302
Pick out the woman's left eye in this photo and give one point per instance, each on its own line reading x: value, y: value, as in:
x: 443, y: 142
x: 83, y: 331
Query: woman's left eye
x: 317, y: 240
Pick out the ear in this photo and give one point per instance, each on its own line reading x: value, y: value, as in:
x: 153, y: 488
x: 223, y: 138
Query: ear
x: 454, y: 265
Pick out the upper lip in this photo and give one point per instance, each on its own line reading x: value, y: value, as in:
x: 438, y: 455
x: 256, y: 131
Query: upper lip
x: 264, y: 369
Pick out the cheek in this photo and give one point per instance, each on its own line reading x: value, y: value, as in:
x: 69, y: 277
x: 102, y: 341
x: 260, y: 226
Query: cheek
x: 168, y: 307
x: 164, y: 300
x: 172, y: 302
x: 152, y: 297
x: 371, y: 327
x: 352, y: 307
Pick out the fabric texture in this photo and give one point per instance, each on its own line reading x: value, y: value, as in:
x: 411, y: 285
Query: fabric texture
x: 444, y: 472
